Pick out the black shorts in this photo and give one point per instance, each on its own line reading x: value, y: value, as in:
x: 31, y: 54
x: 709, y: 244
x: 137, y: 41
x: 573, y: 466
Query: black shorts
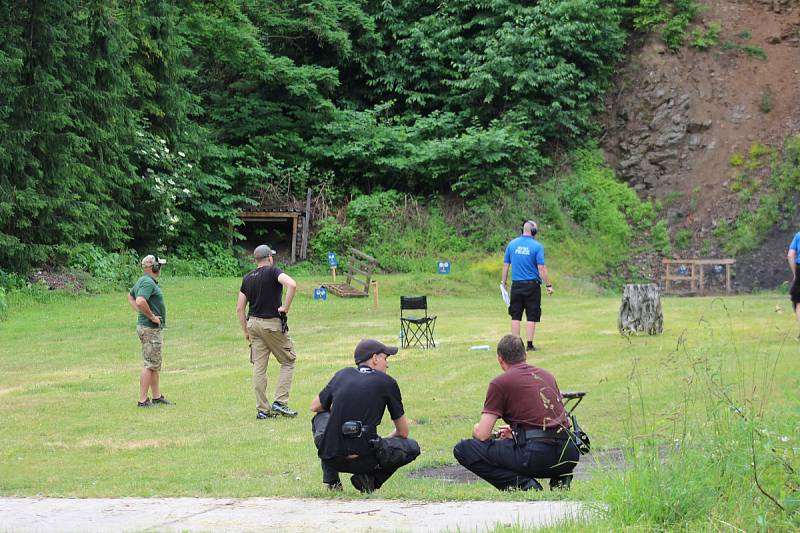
x: 526, y: 296
x: 794, y: 292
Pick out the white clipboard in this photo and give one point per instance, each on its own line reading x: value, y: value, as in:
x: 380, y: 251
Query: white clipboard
x: 504, y: 295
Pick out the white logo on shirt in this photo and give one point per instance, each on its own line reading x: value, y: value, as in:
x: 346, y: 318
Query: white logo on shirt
x: 522, y: 250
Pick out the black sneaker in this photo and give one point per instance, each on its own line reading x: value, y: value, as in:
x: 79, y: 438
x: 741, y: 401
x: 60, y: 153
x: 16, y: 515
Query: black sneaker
x: 146, y: 403
x: 282, y: 409
x: 531, y: 484
x: 162, y: 401
x: 261, y: 415
x: 530, y: 347
x: 364, y: 483
x: 560, y: 483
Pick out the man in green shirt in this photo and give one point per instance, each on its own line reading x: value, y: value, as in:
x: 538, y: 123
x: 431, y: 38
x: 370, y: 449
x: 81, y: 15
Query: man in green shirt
x: 147, y: 299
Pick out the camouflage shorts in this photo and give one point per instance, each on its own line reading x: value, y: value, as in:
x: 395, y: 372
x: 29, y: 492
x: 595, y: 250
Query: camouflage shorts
x: 151, y: 346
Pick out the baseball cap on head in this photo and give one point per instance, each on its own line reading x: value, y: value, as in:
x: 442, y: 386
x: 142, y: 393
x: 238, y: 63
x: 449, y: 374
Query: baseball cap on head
x: 262, y: 251
x: 150, y: 260
x: 369, y: 347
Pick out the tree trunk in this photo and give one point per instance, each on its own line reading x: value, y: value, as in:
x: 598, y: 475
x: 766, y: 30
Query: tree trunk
x: 640, y: 310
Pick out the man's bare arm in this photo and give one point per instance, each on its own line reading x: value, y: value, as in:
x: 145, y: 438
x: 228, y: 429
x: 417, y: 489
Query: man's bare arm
x: 291, y: 286
x: 400, y: 428
x: 144, y: 307
x: 241, y: 303
x: 483, y: 429
x: 504, y: 277
x: 316, y: 405
x: 132, y: 301
x: 546, y: 278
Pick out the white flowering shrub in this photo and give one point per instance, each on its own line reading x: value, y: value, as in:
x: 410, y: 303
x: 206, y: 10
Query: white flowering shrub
x: 168, y: 183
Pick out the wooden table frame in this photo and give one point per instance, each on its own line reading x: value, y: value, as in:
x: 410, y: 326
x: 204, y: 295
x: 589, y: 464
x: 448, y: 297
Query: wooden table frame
x: 696, y: 276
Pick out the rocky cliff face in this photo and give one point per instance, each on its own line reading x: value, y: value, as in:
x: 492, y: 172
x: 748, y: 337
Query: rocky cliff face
x: 673, y: 121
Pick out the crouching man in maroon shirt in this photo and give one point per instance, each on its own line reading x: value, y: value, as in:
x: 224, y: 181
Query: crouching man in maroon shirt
x: 536, y: 441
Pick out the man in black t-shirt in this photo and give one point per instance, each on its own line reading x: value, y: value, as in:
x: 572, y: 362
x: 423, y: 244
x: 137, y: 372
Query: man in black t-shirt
x: 349, y: 410
x: 528, y: 399
x: 265, y: 330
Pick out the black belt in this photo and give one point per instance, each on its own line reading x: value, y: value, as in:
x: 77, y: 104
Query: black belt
x: 526, y: 281
x: 553, y: 433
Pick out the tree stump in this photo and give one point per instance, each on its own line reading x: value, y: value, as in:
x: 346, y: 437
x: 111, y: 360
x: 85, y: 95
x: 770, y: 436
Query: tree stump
x: 640, y: 310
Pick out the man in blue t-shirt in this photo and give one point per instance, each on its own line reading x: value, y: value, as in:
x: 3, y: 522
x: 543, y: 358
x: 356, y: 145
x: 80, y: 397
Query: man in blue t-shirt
x: 794, y: 258
x: 525, y: 256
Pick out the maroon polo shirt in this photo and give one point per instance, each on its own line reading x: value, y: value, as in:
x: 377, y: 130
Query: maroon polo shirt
x: 526, y: 396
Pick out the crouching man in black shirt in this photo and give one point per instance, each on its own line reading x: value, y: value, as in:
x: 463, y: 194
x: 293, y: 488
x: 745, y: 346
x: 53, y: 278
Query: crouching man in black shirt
x: 349, y: 410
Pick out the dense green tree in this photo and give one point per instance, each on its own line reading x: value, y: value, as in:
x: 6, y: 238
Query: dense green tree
x: 65, y: 135
x: 468, y: 95
x: 149, y: 123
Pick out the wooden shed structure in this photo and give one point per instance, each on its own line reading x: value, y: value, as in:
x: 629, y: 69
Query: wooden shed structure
x: 281, y: 225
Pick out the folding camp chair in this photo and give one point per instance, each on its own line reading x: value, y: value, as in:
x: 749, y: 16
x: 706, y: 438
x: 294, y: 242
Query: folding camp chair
x: 416, y: 330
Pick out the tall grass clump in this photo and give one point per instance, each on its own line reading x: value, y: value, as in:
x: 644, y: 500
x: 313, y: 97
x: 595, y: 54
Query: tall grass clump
x: 3, y: 304
x: 718, y: 458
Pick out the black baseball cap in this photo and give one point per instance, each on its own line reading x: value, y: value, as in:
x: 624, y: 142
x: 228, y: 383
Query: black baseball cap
x: 369, y: 347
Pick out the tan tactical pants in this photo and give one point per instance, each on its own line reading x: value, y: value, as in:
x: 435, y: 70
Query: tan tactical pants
x: 265, y: 338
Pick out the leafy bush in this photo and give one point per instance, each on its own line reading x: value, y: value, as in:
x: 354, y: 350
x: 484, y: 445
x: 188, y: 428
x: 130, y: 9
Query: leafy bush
x: 674, y: 18
x: 755, y: 51
x: 206, y: 260
x: 331, y: 236
x: 736, y: 160
x: 759, y: 150
x: 649, y: 13
x: 109, y: 270
x: 12, y: 281
x: 683, y: 239
x: 674, y: 32
x: 659, y: 238
x: 705, y: 39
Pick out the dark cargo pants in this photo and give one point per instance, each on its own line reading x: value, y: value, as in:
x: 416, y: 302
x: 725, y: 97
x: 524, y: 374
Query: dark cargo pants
x: 507, y: 466
x: 388, y: 456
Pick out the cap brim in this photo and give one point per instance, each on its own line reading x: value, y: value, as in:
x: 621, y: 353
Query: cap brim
x: 391, y: 350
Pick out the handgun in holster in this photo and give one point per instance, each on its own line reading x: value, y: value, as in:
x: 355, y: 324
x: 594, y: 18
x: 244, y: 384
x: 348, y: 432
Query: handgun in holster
x: 518, y: 436
x: 284, y: 323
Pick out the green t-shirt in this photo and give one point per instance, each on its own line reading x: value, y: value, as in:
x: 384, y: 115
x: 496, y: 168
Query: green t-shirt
x: 148, y: 288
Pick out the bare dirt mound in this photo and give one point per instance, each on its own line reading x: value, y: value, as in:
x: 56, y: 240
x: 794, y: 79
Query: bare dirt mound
x: 673, y: 120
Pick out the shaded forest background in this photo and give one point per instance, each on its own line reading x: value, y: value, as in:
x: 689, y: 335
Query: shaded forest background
x: 430, y: 127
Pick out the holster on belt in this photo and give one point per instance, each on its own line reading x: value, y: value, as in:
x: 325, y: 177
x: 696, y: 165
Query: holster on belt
x: 518, y: 436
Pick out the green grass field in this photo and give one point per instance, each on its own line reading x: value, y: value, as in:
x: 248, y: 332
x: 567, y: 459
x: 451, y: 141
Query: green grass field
x: 69, y: 368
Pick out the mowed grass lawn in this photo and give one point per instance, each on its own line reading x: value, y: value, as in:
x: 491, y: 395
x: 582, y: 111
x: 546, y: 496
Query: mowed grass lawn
x: 69, y: 371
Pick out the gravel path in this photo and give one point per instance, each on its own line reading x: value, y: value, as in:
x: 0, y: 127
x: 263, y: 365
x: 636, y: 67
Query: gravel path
x: 268, y: 514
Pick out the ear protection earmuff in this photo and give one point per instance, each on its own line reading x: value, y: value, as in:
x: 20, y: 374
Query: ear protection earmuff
x: 534, y: 227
